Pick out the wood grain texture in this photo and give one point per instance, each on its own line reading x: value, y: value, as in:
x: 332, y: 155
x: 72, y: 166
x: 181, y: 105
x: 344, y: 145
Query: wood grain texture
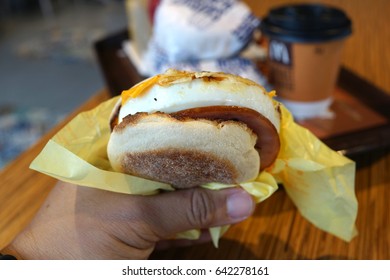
x: 22, y: 190
x: 367, y: 50
x: 278, y: 231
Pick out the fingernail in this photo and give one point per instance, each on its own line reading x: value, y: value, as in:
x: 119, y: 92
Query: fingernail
x: 239, y: 205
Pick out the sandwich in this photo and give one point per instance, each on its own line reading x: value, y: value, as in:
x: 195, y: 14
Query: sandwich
x: 193, y: 128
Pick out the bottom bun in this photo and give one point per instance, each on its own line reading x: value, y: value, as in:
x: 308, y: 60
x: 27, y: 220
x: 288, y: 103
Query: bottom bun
x: 184, y: 152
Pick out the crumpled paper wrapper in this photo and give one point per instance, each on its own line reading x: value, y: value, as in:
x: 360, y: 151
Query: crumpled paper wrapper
x: 319, y: 181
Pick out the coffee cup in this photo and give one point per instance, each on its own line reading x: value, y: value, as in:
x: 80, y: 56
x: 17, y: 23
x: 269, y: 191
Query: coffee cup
x: 305, y: 43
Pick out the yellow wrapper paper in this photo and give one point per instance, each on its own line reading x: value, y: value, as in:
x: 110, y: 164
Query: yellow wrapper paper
x: 319, y: 181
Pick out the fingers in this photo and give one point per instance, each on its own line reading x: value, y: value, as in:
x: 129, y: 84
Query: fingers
x: 170, y: 213
x: 204, y: 237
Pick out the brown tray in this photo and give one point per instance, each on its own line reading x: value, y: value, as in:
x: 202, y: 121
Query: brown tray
x: 362, y: 111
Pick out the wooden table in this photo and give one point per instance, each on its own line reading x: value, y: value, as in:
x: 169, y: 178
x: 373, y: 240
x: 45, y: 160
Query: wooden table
x: 275, y: 231
x: 22, y: 190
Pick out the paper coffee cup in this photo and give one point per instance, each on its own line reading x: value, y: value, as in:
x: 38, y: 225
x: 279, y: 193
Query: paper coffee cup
x: 305, y: 44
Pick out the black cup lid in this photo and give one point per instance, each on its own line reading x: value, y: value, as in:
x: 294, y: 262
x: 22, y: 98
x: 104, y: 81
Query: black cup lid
x: 306, y: 23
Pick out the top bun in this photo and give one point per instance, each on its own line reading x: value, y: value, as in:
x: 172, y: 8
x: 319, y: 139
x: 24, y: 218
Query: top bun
x: 180, y: 90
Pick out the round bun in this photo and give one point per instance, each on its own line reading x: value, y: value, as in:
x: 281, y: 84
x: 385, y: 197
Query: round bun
x: 184, y: 152
x: 193, y: 128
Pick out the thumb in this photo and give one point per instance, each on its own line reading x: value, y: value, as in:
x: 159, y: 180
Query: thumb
x: 170, y: 213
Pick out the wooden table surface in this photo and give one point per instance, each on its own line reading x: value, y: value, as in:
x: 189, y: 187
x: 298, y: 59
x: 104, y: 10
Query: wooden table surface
x: 275, y: 231
x: 23, y: 190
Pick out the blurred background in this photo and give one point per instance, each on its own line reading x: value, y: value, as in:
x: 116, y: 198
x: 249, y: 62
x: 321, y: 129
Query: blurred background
x: 48, y: 66
x: 47, y: 63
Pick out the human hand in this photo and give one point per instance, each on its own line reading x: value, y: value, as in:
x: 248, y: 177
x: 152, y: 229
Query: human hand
x: 85, y: 223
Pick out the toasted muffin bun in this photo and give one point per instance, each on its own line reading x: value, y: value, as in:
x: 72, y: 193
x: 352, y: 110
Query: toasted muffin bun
x: 175, y: 91
x: 188, y: 129
x: 184, y: 152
